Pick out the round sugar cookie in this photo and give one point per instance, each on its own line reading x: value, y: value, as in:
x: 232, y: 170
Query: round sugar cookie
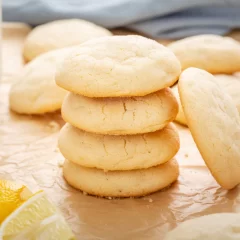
x: 219, y: 226
x: 215, y: 54
x: 34, y: 90
x: 60, y: 34
x: 118, y: 66
x: 120, y: 116
x: 214, y: 122
x: 118, y: 152
x: 132, y: 183
x: 180, y: 118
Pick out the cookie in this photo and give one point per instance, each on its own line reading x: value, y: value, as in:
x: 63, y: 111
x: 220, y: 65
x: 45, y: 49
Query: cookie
x: 231, y: 85
x: 121, y: 183
x: 219, y: 226
x: 180, y: 118
x: 120, y: 116
x: 214, y: 122
x: 118, y: 152
x: 118, y: 66
x: 34, y: 90
x: 212, y: 53
x: 60, y: 34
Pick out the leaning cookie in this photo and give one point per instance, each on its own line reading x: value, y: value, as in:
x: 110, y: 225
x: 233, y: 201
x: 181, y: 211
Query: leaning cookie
x: 118, y: 152
x: 34, y: 90
x: 214, y: 122
x: 180, y: 118
x: 121, y: 116
x: 212, y: 53
x: 118, y: 66
x: 231, y: 85
x: 219, y: 226
x: 60, y: 34
x: 132, y: 183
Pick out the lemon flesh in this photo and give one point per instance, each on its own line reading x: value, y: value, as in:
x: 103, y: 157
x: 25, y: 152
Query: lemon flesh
x: 34, y: 220
x: 12, y: 195
x: 51, y: 228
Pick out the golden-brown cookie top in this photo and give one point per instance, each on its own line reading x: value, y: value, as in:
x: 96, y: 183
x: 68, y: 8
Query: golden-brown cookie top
x: 118, y: 66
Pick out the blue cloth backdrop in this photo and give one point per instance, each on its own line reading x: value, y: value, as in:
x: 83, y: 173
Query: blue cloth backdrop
x: 155, y: 18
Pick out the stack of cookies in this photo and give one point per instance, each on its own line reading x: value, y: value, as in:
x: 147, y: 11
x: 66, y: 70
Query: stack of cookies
x: 118, y: 140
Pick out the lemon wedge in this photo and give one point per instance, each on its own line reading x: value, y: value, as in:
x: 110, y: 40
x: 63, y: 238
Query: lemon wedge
x: 36, y: 219
x: 12, y: 195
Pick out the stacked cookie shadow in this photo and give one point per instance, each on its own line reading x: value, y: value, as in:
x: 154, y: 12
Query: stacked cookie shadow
x: 119, y: 140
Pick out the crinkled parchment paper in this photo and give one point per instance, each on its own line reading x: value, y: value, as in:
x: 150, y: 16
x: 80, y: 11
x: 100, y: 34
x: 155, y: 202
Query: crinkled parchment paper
x: 29, y: 154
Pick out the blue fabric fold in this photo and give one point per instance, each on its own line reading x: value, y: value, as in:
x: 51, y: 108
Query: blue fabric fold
x: 155, y: 18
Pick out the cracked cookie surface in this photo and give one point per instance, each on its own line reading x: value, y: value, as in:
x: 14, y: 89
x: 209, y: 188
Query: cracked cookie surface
x: 118, y: 152
x: 121, y: 116
x: 118, y: 66
x: 214, y: 122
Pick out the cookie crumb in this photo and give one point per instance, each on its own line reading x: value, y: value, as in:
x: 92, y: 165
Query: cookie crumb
x: 60, y: 162
x: 110, y: 198
x: 54, y: 125
x: 150, y: 200
x: 56, y: 150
